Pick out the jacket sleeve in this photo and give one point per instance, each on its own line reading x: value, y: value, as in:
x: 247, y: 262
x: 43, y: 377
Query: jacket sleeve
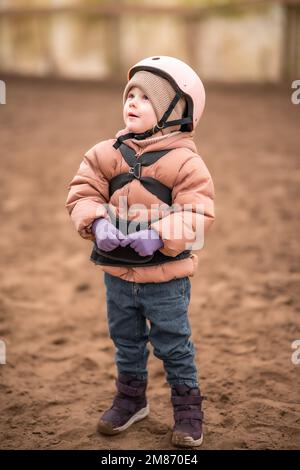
x: 192, y: 211
x: 88, y: 195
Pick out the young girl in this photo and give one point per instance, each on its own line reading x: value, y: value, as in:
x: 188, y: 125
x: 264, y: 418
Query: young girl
x: 144, y: 199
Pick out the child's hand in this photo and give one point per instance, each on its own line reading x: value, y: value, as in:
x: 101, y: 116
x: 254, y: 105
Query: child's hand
x: 107, y: 236
x: 144, y: 242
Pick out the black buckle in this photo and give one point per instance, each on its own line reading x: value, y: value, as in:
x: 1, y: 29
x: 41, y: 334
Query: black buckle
x: 136, y: 170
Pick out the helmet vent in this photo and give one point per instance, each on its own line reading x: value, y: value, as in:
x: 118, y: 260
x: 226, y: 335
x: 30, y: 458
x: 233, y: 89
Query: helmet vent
x: 155, y: 58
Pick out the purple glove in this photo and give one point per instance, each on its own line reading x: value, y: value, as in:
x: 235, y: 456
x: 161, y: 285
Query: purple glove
x: 107, y: 235
x: 144, y: 242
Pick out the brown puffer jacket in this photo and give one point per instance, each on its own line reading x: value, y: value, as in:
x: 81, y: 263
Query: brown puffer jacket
x: 181, y: 169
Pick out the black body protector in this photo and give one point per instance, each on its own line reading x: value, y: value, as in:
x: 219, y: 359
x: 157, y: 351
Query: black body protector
x: 127, y: 256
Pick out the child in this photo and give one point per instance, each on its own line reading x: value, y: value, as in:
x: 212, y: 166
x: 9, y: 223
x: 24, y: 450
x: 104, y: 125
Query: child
x: 152, y: 165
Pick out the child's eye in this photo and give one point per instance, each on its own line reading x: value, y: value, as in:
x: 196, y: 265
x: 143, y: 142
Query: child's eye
x: 131, y: 95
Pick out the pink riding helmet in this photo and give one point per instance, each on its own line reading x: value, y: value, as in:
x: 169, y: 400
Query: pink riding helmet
x: 185, y: 82
x: 182, y: 77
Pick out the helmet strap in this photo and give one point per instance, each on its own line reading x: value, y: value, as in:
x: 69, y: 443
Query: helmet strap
x: 162, y: 124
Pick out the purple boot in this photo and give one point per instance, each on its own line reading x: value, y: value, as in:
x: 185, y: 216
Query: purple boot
x: 186, y: 401
x: 129, y: 405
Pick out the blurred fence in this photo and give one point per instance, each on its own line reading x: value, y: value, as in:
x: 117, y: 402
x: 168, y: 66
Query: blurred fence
x: 256, y: 41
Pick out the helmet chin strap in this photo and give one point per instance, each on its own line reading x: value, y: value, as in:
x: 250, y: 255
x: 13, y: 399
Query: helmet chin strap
x: 162, y: 124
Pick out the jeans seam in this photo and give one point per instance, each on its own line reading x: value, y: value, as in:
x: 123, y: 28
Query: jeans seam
x: 139, y: 364
x: 183, y: 286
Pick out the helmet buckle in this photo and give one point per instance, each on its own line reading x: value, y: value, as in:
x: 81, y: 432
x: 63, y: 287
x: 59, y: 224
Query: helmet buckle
x: 157, y: 127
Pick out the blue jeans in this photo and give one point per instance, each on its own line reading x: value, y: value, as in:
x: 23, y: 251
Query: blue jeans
x: 131, y: 306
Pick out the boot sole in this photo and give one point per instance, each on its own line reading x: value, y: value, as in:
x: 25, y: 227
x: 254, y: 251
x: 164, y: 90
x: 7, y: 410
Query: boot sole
x: 182, y: 440
x: 107, y: 428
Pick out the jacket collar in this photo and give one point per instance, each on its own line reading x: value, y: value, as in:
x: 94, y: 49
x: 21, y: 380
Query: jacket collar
x: 160, y: 142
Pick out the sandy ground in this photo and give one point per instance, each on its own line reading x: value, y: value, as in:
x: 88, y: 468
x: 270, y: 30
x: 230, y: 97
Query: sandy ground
x: 245, y: 301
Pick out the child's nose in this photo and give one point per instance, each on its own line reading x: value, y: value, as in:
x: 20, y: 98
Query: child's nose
x: 133, y: 102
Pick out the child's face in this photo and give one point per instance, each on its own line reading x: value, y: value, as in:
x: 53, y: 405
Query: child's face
x: 138, y: 104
